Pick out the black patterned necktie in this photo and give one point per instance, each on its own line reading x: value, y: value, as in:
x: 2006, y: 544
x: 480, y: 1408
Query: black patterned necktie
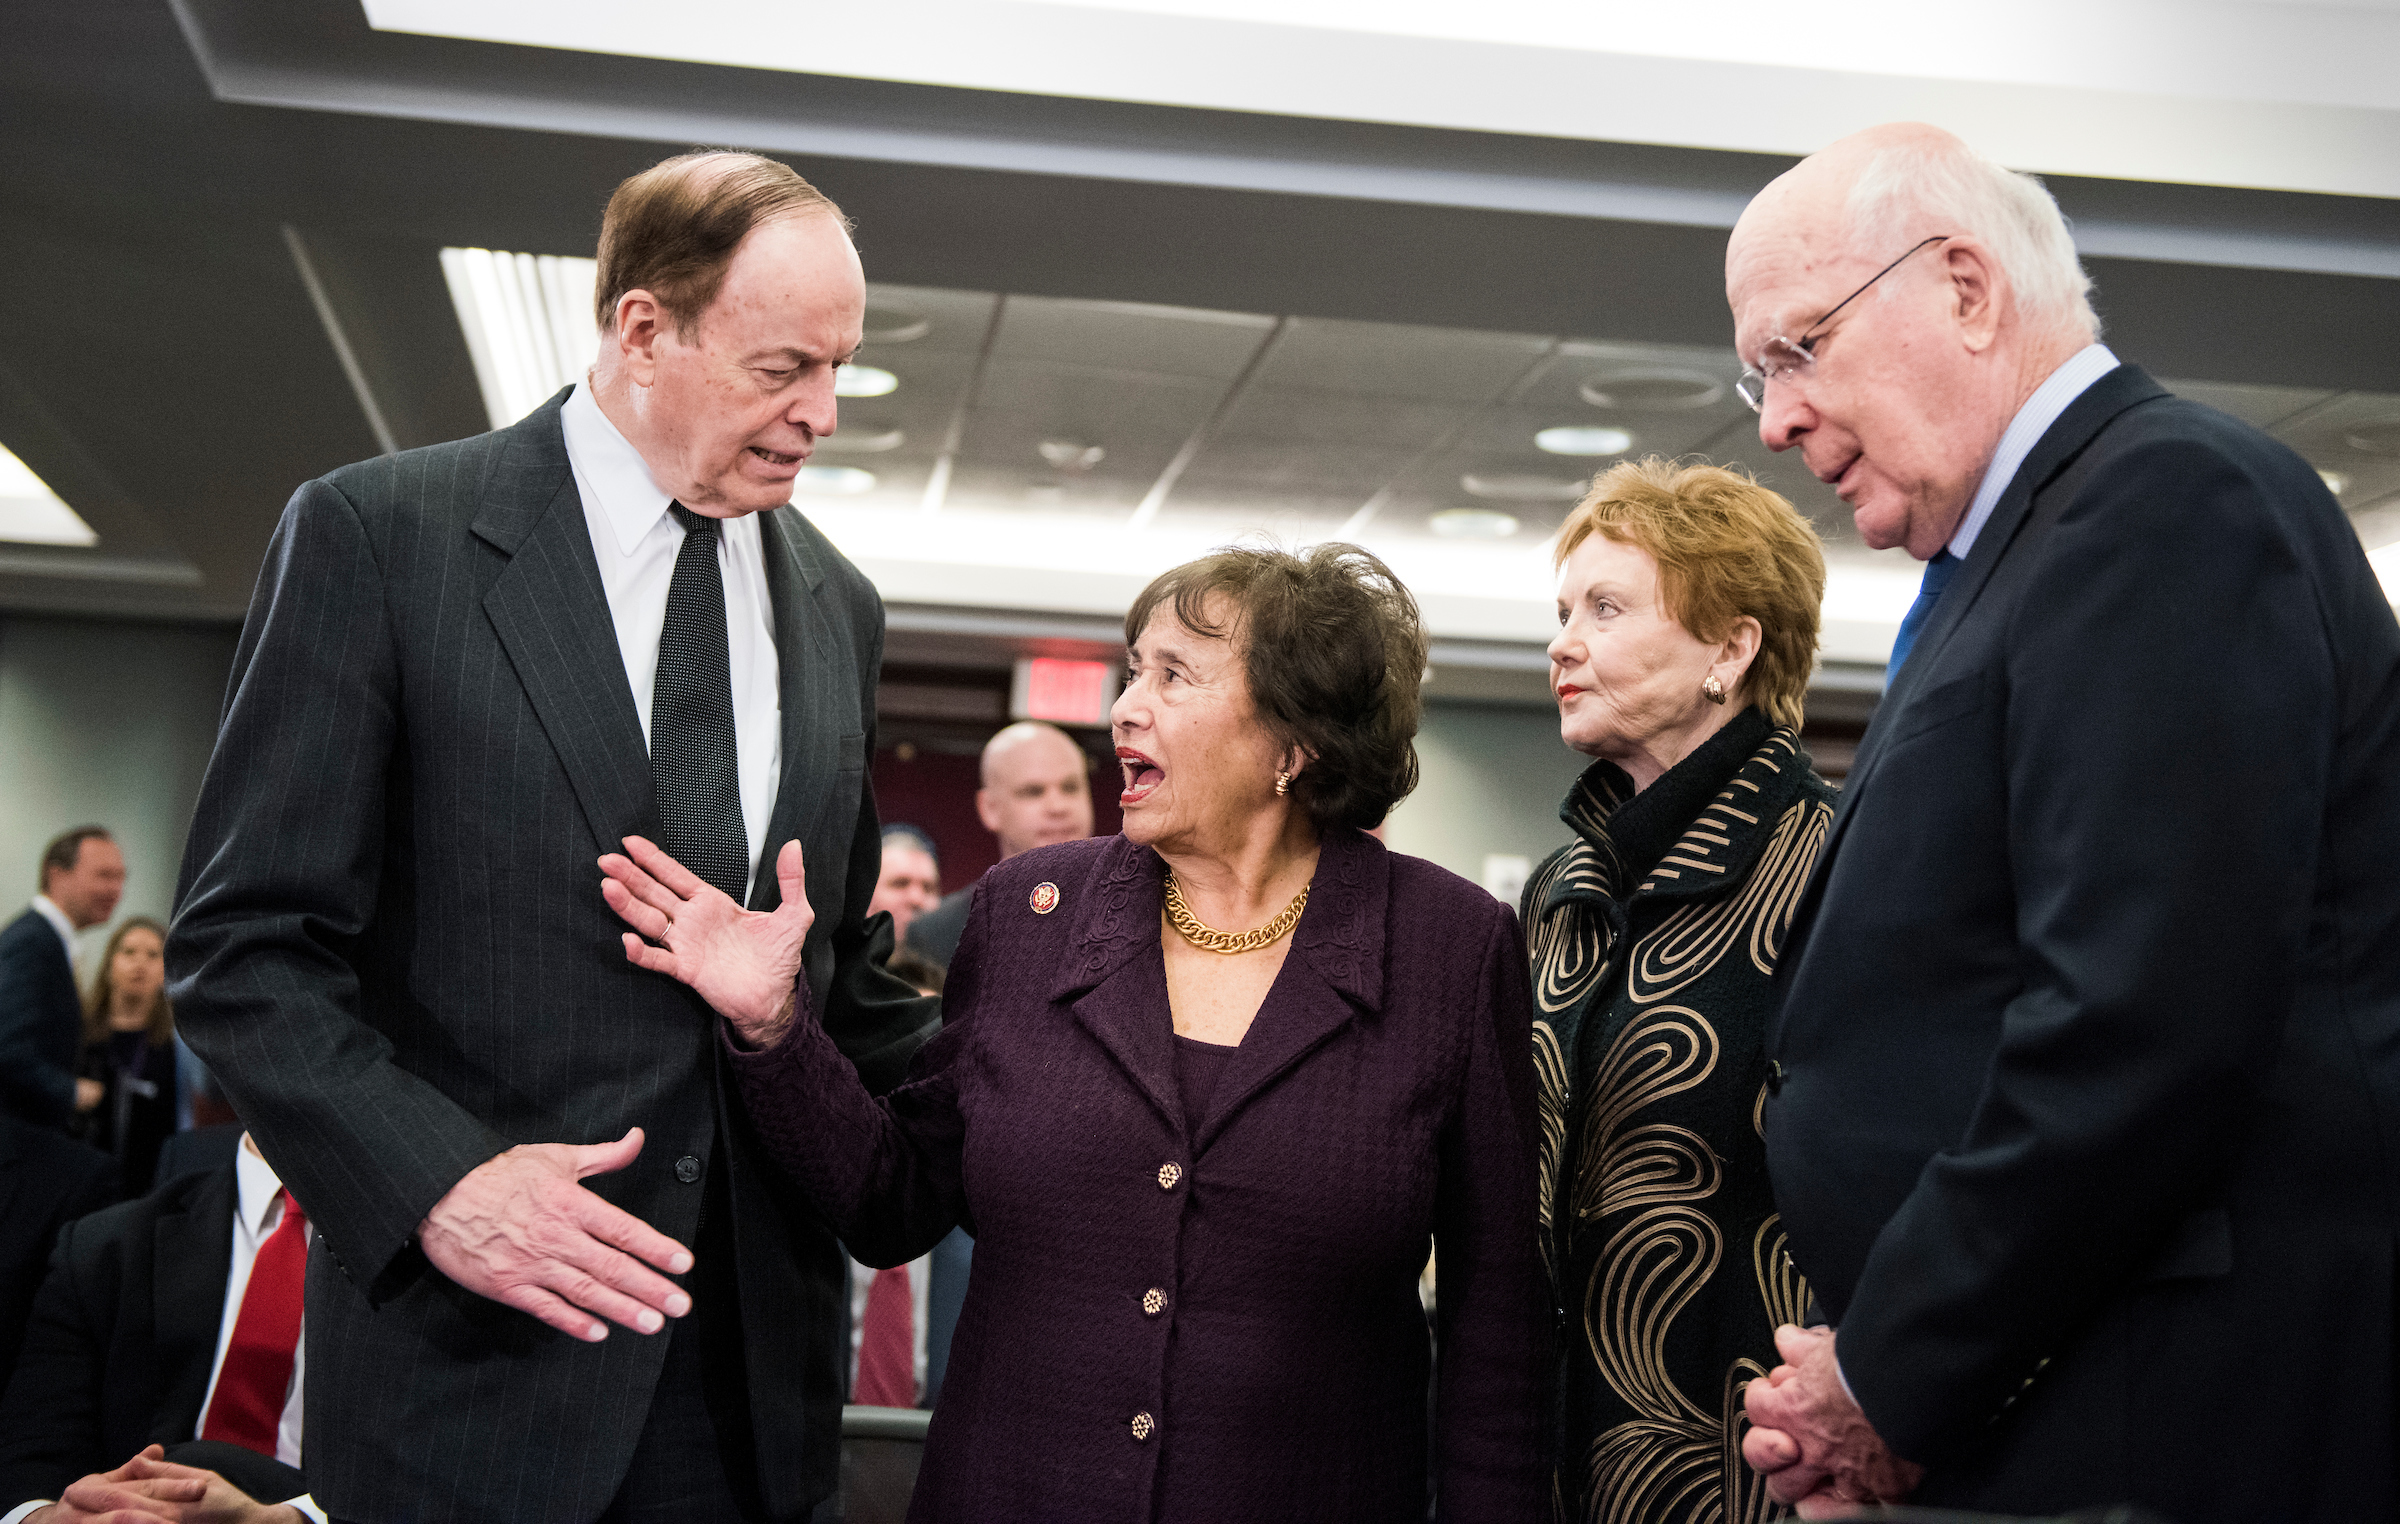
x: 693, y: 760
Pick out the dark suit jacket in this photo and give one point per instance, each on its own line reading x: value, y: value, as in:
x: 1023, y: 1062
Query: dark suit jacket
x: 1382, y: 1099
x: 122, y: 1339
x: 936, y: 932
x: 391, y: 949
x: 47, y: 1180
x: 2092, y: 1046
x: 41, y: 1023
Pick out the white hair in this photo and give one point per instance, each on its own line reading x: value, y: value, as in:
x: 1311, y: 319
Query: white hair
x: 1917, y: 190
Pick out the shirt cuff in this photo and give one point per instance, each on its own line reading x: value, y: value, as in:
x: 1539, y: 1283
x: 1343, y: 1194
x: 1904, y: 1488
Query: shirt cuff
x: 1837, y: 1375
x: 17, y: 1514
x: 306, y: 1504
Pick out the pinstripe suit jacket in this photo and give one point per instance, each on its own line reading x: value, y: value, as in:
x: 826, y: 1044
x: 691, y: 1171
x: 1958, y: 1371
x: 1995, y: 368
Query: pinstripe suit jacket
x: 390, y: 945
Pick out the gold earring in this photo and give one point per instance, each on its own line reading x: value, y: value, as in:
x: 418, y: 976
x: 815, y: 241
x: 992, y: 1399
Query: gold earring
x: 1283, y: 784
x: 1712, y: 690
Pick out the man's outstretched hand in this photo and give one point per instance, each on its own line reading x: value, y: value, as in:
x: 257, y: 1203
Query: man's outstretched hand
x: 1811, y: 1442
x: 523, y: 1231
x: 744, y: 963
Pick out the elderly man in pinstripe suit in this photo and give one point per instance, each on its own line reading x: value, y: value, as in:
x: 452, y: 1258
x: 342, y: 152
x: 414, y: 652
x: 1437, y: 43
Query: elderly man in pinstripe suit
x: 469, y: 671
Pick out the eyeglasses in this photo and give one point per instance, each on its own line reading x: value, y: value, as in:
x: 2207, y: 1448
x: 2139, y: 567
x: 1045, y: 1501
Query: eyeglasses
x: 1782, y: 359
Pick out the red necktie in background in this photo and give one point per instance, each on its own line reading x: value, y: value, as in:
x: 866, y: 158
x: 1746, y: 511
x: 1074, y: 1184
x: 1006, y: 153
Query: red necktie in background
x: 887, y: 1344
x: 247, y: 1409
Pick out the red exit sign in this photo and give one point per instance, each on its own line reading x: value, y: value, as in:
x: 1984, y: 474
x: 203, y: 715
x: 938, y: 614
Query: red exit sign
x: 1061, y: 691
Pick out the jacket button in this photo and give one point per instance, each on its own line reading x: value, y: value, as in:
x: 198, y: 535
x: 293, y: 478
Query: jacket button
x: 1143, y: 1426
x: 687, y: 1169
x: 1168, y: 1174
x: 1154, y: 1302
x: 1774, y: 1077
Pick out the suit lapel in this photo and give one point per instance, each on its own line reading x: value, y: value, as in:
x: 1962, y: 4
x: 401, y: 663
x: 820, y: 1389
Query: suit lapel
x: 551, y: 613
x: 1333, y: 971
x: 1127, y: 1013
x: 191, y: 1254
x: 801, y: 642
x: 2085, y: 417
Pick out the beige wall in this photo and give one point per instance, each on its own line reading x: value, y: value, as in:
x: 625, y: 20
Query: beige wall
x: 1493, y: 777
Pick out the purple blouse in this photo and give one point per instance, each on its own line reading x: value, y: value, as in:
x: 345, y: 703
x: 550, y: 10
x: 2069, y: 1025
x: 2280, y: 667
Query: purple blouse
x: 1207, y: 1313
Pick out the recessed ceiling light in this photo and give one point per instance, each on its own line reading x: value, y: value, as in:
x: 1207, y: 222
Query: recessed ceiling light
x: 893, y: 325
x: 1583, y: 439
x: 864, y: 381
x: 1473, y: 524
x: 860, y: 442
x: 2377, y: 438
x: 1654, y: 390
x: 2336, y: 482
x: 1071, y: 454
x: 528, y: 323
x: 834, y: 481
x: 1524, y: 489
x: 32, y: 514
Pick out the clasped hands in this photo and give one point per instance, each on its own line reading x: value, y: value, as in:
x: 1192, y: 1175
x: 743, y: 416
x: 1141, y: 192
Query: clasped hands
x: 1809, y: 1440
x: 520, y: 1228
x: 150, y: 1489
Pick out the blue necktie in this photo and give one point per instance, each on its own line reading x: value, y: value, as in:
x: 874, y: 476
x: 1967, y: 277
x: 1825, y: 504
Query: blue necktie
x: 1937, y: 576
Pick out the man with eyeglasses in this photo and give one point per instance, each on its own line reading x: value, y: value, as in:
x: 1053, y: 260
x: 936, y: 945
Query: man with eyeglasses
x: 2084, y: 1112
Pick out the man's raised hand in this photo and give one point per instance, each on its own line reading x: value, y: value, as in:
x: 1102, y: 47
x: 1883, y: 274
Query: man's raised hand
x: 522, y: 1230
x: 744, y: 963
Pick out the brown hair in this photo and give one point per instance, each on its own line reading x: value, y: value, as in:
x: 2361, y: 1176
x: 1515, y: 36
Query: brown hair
x: 103, y: 995
x: 672, y: 229
x: 64, y: 851
x: 1335, y: 656
x: 1726, y: 548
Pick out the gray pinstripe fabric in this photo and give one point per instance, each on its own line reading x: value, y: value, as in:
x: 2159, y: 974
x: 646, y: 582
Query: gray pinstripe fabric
x: 391, y: 947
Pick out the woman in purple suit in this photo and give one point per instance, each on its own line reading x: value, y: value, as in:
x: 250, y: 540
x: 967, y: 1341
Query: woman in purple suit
x: 1206, y: 1091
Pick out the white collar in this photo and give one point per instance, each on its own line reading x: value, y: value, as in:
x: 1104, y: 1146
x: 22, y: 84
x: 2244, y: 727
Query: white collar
x: 2024, y: 431
x: 58, y: 922
x: 258, y: 1185
x: 630, y: 499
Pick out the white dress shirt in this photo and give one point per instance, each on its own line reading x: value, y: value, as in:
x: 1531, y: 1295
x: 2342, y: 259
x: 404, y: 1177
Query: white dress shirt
x: 2024, y: 431
x: 636, y: 541
x: 47, y: 909
x: 257, y: 1212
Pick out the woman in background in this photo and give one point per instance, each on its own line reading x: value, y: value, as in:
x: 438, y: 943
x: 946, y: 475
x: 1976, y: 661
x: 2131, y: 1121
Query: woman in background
x: 1687, y: 610
x: 129, y: 1048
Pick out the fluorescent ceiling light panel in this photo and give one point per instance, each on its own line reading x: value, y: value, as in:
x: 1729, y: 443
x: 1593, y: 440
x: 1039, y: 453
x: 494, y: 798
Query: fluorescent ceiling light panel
x: 32, y: 514
x: 528, y: 322
x: 2238, y: 92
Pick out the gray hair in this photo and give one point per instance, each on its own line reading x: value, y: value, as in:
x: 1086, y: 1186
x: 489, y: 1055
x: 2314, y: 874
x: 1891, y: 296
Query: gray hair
x: 1906, y: 189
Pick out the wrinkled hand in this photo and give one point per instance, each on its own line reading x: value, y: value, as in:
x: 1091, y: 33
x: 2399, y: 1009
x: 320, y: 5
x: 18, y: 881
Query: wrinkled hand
x: 1811, y: 1442
x: 520, y: 1230
x: 189, y: 1495
x: 120, y: 1497
x: 742, y: 962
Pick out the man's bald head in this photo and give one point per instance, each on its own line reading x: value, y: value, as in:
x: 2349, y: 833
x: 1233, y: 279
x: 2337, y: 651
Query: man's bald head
x: 1037, y: 788
x: 1897, y: 395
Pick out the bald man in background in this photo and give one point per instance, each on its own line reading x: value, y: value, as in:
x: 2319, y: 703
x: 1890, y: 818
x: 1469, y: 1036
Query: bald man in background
x: 1037, y: 790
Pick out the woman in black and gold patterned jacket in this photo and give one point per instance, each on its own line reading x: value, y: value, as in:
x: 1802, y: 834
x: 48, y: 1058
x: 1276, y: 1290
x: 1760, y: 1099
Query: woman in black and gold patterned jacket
x: 1687, y: 606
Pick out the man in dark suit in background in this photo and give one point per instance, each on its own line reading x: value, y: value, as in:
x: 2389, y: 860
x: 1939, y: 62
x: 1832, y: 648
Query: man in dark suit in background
x: 2087, y: 1081
x: 170, y: 1320
x: 47, y: 1180
x: 469, y: 671
x: 41, y: 1016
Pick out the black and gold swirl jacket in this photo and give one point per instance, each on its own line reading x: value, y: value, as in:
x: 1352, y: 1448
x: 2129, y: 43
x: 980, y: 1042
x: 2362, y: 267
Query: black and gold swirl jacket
x: 1653, y: 940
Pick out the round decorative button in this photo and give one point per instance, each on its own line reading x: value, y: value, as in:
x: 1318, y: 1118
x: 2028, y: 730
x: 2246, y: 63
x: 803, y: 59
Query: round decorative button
x: 1154, y: 1302
x: 1168, y: 1174
x: 1143, y: 1426
x: 687, y: 1169
x: 1044, y: 898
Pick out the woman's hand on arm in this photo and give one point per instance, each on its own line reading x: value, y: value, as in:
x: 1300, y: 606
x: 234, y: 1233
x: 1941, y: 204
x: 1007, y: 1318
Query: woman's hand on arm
x: 744, y: 963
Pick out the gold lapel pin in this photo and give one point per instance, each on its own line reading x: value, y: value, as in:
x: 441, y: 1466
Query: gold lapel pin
x: 1044, y: 898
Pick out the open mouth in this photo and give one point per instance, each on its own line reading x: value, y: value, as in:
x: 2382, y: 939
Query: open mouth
x: 1142, y: 776
x: 774, y: 458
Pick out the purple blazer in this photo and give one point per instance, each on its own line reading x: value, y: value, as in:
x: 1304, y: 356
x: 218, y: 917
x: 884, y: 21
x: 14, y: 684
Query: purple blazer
x: 1177, y: 1323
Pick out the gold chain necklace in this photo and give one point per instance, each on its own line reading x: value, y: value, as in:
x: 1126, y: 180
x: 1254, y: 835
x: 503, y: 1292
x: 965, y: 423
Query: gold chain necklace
x: 1202, y: 935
